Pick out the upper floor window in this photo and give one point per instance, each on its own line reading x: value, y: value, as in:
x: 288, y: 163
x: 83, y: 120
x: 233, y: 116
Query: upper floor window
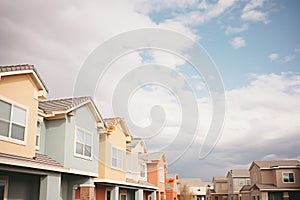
x: 241, y: 182
x: 288, y: 177
x: 13, y: 120
x: 38, y: 136
x: 117, y: 158
x: 84, y: 142
x: 248, y: 182
x: 161, y: 174
x: 254, y: 177
x: 143, y: 170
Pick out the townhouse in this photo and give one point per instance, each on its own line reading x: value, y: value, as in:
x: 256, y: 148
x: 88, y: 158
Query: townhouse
x: 49, y: 149
x: 237, y: 178
x: 273, y: 180
x: 172, y: 190
x: 118, y: 179
x: 196, y: 187
x: 219, y: 188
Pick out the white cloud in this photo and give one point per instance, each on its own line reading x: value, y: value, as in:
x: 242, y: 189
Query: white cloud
x: 238, y: 42
x: 211, y: 11
x: 231, y: 30
x: 255, y: 16
x: 253, y: 4
x: 288, y: 58
x: 273, y: 56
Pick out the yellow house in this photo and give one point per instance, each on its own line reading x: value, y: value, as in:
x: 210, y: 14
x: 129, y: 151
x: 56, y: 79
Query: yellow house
x: 20, y: 90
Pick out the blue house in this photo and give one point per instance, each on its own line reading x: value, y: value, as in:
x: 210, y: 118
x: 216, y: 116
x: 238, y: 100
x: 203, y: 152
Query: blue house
x: 68, y: 131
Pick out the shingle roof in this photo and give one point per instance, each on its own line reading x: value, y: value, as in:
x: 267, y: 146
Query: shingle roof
x: 22, y: 67
x: 172, y: 176
x: 245, y: 188
x: 62, y: 104
x: 142, y: 183
x: 239, y: 173
x: 193, y: 182
x: 155, y: 156
x: 40, y: 161
x: 268, y: 187
x: 276, y: 163
x: 220, y: 178
x: 121, y: 121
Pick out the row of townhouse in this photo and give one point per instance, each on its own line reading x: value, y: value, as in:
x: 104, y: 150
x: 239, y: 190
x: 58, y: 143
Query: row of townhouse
x: 64, y: 149
x: 265, y: 180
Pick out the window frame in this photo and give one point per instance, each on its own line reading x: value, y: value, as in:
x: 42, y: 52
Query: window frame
x: 38, y: 136
x: 5, y: 179
x: 143, y: 171
x: 161, y: 175
x: 254, y: 177
x: 10, y: 121
x: 75, y: 144
x: 288, y: 177
x: 117, y: 159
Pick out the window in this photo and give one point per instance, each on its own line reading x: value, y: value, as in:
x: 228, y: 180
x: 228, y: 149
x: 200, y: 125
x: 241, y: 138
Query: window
x: 123, y: 197
x: 288, y: 177
x: 84, y: 142
x: 38, y: 136
x: 253, y: 197
x: 248, y: 181
x: 117, y: 158
x: 12, y: 121
x: 161, y: 174
x: 143, y: 170
x: 254, y: 177
x: 241, y: 182
x: 3, y: 187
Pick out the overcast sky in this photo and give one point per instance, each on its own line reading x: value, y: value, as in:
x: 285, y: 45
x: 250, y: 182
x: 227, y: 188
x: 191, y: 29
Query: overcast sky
x: 254, y: 44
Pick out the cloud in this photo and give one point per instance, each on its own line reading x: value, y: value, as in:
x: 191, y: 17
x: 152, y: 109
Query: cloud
x: 238, y: 42
x: 273, y: 56
x: 289, y: 58
x: 255, y: 16
x: 211, y: 11
x: 253, y: 4
x: 250, y: 12
x: 232, y: 30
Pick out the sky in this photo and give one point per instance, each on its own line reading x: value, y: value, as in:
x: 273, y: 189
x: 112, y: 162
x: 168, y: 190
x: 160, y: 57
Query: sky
x: 252, y: 48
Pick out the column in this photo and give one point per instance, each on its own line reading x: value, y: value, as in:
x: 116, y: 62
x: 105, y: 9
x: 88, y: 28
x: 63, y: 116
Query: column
x: 87, y: 192
x: 115, y: 193
x: 139, y: 194
x: 153, y: 195
x: 50, y: 186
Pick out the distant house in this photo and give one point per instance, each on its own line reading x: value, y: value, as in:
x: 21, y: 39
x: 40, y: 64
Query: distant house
x: 113, y: 181
x: 172, y: 186
x: 197, y: 187
x: 156, y: 172
x: 237, y: 178
x: 219, y: 189
x: 68, y: 131
x: 273, y: 180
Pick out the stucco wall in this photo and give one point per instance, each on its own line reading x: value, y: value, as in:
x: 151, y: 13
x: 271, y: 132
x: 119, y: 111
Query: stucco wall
x: 20, y: 89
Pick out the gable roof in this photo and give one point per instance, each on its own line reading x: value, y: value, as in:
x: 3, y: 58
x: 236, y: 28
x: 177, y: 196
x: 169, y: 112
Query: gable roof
x: 193, y: 182
x: 26, y: 69
x: 271, y: 164
x: 220, y: 179
x: 118, y: 120
x: 65, y: 106
x: 239, y: 173
x: 135, y: 142
x: 156, y: 156
x: 172, y: 176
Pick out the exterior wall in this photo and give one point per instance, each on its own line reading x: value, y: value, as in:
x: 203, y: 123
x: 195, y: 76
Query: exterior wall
x: 132, y: 166
x: 100, y: 192
x: 153, y: 175
x: 245, y: 196
x: 20, y: 89
x: 22, y: 186
x: 116, y: 139
x: 55, y: 137
x: 255, y: 170
x: 85, y: 120
x: 60, y: 136
x: 280, y: 182
x: 268, y: 177
x: 221, y: 187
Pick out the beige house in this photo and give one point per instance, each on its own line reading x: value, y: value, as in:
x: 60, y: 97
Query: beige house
x: 237, y: 178
x: 273, y: 180
x: 196, y: 186
x: 219, y: 189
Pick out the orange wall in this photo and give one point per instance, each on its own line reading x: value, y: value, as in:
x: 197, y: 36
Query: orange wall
x: 100, y: 193
x: 20, y: 89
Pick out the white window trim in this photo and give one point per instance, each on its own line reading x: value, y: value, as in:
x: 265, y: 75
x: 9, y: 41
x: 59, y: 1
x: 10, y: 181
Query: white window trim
x: 9, y: 139
x: 113, y: 167
x: 79, y: 155
x: 144, y: 166
x: 38, y: 133
x: 289, y: 177
x: 5, y: 179
x: 163, y: 175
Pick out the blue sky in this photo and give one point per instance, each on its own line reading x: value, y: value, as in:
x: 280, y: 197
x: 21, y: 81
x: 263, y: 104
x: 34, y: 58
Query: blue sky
x: 255, y: 45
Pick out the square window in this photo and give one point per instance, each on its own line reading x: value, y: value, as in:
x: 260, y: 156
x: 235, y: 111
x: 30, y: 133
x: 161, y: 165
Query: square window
x: 84, y: 142
x: 288, y: 177
x: 117, y: 158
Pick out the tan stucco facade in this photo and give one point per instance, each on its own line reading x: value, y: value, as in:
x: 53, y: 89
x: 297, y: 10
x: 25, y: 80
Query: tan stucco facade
x: 21, y: 91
